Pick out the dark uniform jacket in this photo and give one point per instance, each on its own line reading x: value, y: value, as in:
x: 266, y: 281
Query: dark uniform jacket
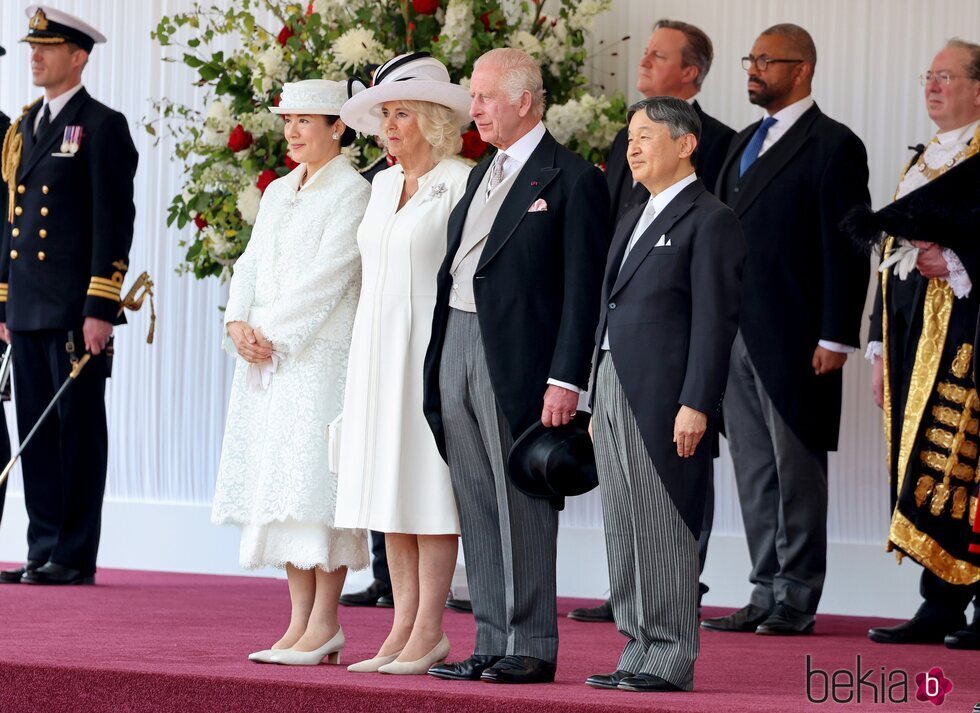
x: 536, y: 287
x: 672, y: 313
x: 804, y: 279
x: 65, y: 255
x: 712, y: 149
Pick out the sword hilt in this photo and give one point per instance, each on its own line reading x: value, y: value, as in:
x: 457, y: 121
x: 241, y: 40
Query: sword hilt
x: 77, y: 367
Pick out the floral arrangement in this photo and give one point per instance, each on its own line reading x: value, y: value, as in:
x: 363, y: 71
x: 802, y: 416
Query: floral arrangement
x: 232, y: 151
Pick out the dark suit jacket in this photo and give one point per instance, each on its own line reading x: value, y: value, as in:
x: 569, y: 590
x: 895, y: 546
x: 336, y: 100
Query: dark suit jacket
x: 672, y: 314
x: 536, y: 287
x: 804, y: 280
x: 77, y: 213
x: 4, y: 125
x: 710, y: 155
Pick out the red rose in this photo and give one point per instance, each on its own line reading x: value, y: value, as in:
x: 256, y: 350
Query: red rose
x: 284, y: 34
x: 473, y: 145
x: 425, y: 7
x: 309, y: 9
x: 265, y: 178
x: 485, y: 19
x: 239, y: 139
x: 289, y: 163
x: 276, y: 99
x: 200, y: 221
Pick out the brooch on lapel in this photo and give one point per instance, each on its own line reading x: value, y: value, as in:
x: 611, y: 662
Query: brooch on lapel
x: 70, y: 142
x: 435, y: 192
x: 534, y: 184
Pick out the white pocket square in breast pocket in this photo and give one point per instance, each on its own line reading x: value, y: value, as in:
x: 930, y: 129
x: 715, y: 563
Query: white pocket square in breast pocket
x: 539, y: 206
x: 663, y: 242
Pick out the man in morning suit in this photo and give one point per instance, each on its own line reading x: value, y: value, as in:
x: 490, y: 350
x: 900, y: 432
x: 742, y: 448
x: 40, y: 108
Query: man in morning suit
x: 675, y: 62
x: 512, y: 341
x: 668, y: 317
x: 4, y: 437
x: 63, y: 258
x: 790, y: 179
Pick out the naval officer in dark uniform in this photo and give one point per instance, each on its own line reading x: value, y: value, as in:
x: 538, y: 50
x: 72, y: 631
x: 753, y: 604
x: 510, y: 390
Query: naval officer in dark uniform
x: 4, y: 439
x: 69, y: 162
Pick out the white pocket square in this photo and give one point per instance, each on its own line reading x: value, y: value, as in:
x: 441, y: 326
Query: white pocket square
x: 538, y: 206
x: 664, y: 242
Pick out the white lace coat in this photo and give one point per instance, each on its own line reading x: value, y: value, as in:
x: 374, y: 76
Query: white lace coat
x: 298, y: 281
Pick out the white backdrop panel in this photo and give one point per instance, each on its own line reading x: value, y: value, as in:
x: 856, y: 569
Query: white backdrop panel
x: 167, y: 402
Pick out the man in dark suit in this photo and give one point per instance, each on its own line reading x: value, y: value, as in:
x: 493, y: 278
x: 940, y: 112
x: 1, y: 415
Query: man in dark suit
x: 63, y: 259
x: 676, y: 61
x: 4, y: 438
x: 669, y: 315
x: 790, y: 179
x: 517, y: 303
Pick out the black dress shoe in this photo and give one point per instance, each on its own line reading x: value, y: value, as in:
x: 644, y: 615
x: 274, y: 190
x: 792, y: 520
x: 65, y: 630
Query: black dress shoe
x: 468, y: 670
x: 386, y: 601
x: 462, y: 605
x: 54, y: 573
x: 368, y: 597
x: 914, y: 631
x: 608, y: 680
x: 966, y: 638
x: 647, y: 683
x: 603, y: 612
x: 747, y: 619
x: 786, y: 621
x: 520, y: 669
x: 13, y: 576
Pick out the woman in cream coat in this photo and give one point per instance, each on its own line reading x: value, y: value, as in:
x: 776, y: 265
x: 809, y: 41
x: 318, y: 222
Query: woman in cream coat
x: 290, y: 314
x: 392, y: 478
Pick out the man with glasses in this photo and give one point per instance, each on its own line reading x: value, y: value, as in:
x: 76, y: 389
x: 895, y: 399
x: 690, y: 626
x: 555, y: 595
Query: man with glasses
x: 790, y: 178
x: 926, y: 298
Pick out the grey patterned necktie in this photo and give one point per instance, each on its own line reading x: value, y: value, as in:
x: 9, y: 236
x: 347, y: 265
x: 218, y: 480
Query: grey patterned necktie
x: 496, y: 171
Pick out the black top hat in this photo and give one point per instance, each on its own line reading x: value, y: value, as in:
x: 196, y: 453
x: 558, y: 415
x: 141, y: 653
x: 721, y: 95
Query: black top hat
x: 554, y: 462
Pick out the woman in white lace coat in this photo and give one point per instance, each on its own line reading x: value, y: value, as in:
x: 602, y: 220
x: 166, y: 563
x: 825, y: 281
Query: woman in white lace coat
x: 392, y: 478
x: 289, y: 316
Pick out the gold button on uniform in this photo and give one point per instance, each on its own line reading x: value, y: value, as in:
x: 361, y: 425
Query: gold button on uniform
x: 21, y: 189
x: 43, y: 233
x: 41, y: 256
x: 18, y: 211
x: 15, y: 232
x: 44, y: 190
x: 44, y: 211
x: 14, y: 254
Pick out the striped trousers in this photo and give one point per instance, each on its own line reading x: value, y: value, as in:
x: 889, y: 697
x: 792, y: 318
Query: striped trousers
x: 653, y: 557
x: 509, y: 539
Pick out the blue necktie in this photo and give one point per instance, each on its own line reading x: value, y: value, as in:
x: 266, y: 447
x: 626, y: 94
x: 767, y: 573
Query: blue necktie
x: 751, y: 152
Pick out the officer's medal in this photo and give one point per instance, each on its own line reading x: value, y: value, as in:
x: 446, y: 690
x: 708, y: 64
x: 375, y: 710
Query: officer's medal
x: 70, y: 142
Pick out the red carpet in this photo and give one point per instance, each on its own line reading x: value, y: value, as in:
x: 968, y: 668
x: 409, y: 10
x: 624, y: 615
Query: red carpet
x: 147, y: 641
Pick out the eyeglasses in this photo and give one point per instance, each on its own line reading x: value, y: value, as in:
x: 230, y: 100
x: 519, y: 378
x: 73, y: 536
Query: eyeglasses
x: 762, y: 63
x: 942, y: 78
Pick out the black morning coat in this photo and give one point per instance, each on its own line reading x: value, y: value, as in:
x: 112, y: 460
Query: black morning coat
x: 65, y: 255
x: 672, y: 314
x: 536, y: 287
x: 805, y: 279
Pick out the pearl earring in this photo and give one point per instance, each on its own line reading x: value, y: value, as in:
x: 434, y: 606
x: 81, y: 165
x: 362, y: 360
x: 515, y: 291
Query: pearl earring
x: 335, y: 136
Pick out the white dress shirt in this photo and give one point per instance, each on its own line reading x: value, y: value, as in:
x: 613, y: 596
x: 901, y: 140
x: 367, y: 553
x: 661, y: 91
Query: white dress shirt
x: 57, y: 104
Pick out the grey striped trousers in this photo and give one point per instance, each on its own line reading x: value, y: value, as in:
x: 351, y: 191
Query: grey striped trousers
x: 653, y: 557
x: 509, y: 539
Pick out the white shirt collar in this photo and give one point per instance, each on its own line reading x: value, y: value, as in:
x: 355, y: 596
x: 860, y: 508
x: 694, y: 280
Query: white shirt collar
x: 59, y: 102
x: 522, y: 149
x: 662, y: 199
x: 789, y: 115
x: 958, y: 136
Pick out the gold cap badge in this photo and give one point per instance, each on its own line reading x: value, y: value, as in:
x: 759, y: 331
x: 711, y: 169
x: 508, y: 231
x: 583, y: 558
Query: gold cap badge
x: 39, y: 21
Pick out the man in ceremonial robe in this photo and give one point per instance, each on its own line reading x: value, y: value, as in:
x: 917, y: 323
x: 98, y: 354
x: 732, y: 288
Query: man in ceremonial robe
x: 922, y: 343
x: 64, y: 253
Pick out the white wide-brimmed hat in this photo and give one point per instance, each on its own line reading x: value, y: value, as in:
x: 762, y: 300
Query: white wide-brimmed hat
x: 315, y: 96
x: 415, y: 76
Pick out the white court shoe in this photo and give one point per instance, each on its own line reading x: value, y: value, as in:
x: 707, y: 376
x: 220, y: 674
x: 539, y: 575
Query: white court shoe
x: 372, y: 665
x: 264, y: 656
x: 330, y: 652
x: 438, y: 654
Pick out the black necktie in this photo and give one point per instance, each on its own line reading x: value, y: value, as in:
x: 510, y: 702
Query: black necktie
x: 44, y: 123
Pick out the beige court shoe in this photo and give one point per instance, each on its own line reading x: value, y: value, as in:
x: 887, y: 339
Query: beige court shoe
x: 330, y: 652
x: 372, y: 665
x: 438, y: 654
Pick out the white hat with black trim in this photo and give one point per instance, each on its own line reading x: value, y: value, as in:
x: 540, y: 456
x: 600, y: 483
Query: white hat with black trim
x: 415, y: 76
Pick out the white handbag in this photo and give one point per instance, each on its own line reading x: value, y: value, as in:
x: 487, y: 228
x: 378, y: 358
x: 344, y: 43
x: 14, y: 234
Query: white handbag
x: 333, y: 444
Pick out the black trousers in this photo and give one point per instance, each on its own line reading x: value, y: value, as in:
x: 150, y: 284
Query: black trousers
x: 945, y: 602
x: 379, y: 555
x: 64, y: 465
